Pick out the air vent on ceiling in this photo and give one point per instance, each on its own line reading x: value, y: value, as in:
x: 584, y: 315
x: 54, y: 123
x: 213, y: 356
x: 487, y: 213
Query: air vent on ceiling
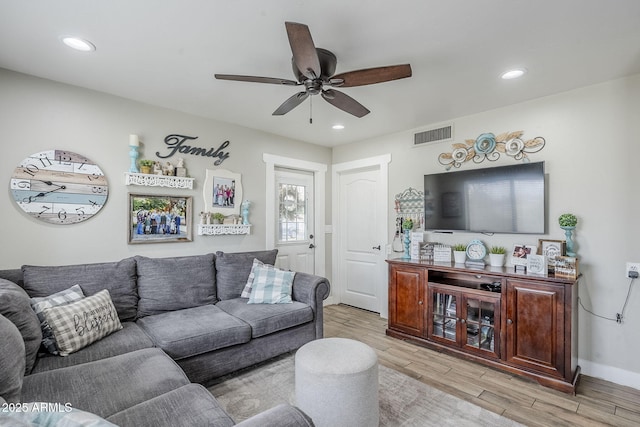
x: 429, y: 136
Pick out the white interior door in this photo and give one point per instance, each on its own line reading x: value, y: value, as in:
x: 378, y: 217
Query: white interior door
x: 294, y: 233
x: 361, y: 241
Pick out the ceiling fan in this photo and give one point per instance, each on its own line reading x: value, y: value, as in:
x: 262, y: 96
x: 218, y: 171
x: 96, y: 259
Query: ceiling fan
x: 314, y: 67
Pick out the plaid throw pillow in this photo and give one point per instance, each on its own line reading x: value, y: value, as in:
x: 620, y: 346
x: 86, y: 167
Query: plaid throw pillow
x: 39, y: 304
x: 271, y: 286
x: 246, y: 292
x: 80, y: 323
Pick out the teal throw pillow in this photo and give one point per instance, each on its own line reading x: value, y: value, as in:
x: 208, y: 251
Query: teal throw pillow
x: 271, y: 286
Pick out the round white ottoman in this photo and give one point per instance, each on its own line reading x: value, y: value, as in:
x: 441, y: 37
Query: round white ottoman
x: 336, y: 383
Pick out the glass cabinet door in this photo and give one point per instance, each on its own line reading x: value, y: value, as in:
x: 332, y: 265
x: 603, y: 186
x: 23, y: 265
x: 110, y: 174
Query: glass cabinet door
x: 444, y: 317
x: 482, y: 319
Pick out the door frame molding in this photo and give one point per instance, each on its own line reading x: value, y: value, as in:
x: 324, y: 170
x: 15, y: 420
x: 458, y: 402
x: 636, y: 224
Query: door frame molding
x: 382, y: 164
x: 319, y: 171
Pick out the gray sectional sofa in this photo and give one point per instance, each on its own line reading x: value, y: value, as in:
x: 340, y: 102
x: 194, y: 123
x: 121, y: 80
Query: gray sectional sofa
x: 184, y: 324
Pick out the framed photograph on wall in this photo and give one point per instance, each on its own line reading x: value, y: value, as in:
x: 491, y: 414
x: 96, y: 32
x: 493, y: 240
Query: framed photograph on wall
x: 520, y: 253
x: 552, y: 249
x: 222, y: 192
x: 159, y: 218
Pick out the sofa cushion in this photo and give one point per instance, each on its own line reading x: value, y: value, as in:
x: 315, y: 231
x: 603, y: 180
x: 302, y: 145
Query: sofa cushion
x: 39, y: 304
x: 168, y: 284
x: 15, y: 306
x: 233, y: 269
x: 78, y: 324
x: 271, y: 286
x: 266, y: 319
x: 107, y: 386
x: 130, y: 338
x: 118, y: 277
x: 192, y: 331
x: 188, y: 406
x: 12, y: 361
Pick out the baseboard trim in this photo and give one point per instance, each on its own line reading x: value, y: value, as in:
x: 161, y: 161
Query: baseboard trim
x: 610, y: 373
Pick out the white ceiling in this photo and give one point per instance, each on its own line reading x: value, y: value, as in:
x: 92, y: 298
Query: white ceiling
x: 165, y: 52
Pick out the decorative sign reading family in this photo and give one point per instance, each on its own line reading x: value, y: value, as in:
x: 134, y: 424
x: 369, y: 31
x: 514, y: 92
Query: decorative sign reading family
x: 180, y: 144
x: 489, y: 146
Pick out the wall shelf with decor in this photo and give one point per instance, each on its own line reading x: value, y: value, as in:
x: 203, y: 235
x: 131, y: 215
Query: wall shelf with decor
x: 149, y: 180
x: 221, y: 229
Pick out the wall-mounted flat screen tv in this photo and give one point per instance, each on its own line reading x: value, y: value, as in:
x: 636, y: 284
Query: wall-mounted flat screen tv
x: 505, y: 199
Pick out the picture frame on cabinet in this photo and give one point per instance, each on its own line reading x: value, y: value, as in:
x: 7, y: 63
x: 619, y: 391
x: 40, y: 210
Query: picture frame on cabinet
x: 157, y: 218
x: 520, y: 253
x: 566, y: 267
x: 552, y: 249
x: 222, y: 192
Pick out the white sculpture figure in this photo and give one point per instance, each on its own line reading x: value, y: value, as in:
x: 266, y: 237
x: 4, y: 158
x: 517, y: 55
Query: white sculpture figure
x: 203, y: 218
x: 245, y: 212
x: 180, y: 162
x: 157, y: 168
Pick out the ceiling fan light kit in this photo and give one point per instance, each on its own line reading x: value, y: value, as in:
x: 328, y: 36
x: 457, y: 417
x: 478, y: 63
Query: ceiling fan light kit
x: 314, y: 69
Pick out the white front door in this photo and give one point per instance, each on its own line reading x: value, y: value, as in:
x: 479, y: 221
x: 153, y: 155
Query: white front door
x: 361, y: 238
x: 294, y: 233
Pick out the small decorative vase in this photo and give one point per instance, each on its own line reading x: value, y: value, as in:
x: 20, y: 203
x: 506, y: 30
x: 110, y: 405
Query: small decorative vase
x: 133, y: 154
x: 407, y: 243
x: 145, y: 169
x: 459, y: 257
x: 568, y: 230
x: 496, y: 260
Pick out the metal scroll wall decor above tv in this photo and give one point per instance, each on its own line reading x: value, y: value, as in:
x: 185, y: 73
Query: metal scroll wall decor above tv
x: 505, y: 199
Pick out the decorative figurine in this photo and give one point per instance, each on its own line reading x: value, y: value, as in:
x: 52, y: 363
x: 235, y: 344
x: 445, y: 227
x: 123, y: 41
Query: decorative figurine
x: 167, y: 169
x: 245, y: 212
x: 134, y: 143
x: 157, y: 168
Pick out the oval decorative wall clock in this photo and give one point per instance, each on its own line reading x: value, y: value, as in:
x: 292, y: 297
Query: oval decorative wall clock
x: 59, y: 187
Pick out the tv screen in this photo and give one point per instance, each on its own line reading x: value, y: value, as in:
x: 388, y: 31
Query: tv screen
x: 506, y: 199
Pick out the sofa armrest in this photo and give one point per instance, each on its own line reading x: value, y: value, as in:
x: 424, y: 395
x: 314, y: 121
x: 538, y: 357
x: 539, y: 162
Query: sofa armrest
x: 279, y: 416
x: 312, y: 290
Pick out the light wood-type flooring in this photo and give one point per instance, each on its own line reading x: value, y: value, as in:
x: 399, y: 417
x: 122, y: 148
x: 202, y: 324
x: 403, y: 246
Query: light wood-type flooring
x: 597, y: 402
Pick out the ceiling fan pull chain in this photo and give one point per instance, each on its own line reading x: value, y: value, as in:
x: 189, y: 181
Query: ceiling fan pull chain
x: 310, y: 111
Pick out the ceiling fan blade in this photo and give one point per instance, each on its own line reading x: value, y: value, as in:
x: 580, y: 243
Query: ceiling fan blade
x: 291, y: 103
x: 344, y: 102
x: 371, y: 76
x: 304, y: 51
x: 272, y: 80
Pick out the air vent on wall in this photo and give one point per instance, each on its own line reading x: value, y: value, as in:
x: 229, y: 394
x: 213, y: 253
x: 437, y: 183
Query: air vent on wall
x: 429, y: 136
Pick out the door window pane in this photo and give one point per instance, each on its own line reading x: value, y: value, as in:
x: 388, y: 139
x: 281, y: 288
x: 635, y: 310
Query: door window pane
x: 292, y: 208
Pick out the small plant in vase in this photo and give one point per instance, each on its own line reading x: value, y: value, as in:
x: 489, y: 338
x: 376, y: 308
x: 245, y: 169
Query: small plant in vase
x: 407, y: 226
x: 145, y: 166
x: 496, y: 255
x: 568, y: 223
x: 218, y: 218
x: 459, y: 253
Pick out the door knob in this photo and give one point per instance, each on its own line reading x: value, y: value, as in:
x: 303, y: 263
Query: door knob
x: 311, y: 246
x: 376, y: 247
x: 509, y: 321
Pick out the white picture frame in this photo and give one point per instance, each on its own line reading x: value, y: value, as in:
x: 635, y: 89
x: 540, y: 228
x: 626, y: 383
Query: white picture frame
x: 227, y: 203
x: 537, y: 264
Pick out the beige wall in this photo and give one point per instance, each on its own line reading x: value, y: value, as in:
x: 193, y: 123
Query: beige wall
x: 37, y: 115
x: 591, y: 155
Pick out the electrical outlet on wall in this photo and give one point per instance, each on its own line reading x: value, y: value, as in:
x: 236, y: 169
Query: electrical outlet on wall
x: 632, y: 266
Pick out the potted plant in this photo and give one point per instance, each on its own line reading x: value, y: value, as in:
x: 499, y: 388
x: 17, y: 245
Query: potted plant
x: 459, y: 253
x: 568, y: 223
x: 218, y: 218
x: 496, y: 255
x: 145, y: 166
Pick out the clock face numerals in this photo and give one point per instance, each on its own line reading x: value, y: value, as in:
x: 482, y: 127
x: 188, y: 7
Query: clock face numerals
x: 59, y: 187
x: 476, y: 250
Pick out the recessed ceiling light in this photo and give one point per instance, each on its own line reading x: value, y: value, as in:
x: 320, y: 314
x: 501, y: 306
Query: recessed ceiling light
x: 78, y: 44
x: 337, y: 127
x: 513, y: 74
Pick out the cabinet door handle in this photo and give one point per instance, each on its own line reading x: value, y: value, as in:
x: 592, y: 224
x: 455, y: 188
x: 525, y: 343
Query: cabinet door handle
x: 420, y: 302
x: 462, y: 320
x: 509, y: 321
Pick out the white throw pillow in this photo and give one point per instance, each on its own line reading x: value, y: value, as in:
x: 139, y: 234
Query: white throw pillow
x: 246, y: 292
